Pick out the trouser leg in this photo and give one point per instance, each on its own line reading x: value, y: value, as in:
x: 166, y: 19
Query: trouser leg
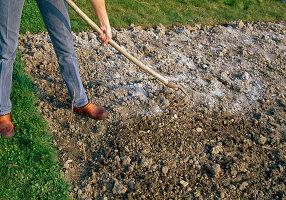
x: 10, y: 15
x: 56, y: 18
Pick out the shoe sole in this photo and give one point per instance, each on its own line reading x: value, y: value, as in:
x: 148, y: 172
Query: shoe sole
x: 8, y: 134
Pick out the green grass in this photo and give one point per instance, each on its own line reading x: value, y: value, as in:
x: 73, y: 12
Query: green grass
x: 168, y: 12
x: 31, y: 18
x: 28, y: 168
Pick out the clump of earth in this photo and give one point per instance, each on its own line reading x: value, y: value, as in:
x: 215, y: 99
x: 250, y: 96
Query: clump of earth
x: 228, y: 142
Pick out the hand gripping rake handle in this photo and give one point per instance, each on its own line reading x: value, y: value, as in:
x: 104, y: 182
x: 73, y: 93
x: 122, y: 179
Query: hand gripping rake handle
x: 124, y: 52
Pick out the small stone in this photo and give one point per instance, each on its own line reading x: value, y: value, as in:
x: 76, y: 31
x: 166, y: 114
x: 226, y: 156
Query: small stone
x: 261, y: 140
x: 243, y: 167
x: 232, y: 187
x: 281, y: 168
x: 197, y: 193
x: 161, y: 30
x: 147, y: 49
x: 119, y: 188
x: 126, y: 148
x: 66, y: 165
x: 165, y: 102
x: 131, y: 184
x: 202, y: 155
x: 216, y: 170
x: 239, y: 24
x: 243, y: 186
x: 217, y: 149
x: 126, y: 160
x: 165, y: 170
x: 139, y: 28
x: 232, y: 24
x: 145, y: 162
x: 130, y: 196
x: 88, y: 188
x: 282, y: 102
x: 204, y: 66
x: 184, y: 183
x: 222, y: 195
x: 21, y: 48
x: 199, y: 130
x: 224, y: 78
x: 245, y: 77
x: 46, y: 47
x: 233, y: 171
x: 117, y: 159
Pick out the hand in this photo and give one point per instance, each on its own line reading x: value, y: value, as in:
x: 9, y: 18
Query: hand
x: 106, y: 35
x: 100, y: 10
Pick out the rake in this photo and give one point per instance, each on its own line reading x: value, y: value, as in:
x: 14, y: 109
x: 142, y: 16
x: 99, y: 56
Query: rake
x: 181, y: 98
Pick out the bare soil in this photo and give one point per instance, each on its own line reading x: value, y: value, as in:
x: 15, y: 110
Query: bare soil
x: 228, y: 142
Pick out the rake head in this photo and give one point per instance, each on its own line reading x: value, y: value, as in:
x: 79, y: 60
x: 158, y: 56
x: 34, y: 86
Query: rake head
x: 179, y: 95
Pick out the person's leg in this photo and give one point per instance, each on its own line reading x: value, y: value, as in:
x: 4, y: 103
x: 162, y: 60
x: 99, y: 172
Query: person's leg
x: 10, y: 15
x: 56, y: 18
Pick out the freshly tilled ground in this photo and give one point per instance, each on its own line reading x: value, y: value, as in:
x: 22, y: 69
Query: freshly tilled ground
x: 228, y: 142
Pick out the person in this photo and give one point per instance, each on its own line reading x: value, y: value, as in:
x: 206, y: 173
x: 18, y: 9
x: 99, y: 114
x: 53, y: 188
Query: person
x: 57, y: 21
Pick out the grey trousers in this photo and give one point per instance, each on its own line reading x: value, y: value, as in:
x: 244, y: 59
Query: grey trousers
x: 56, y: 18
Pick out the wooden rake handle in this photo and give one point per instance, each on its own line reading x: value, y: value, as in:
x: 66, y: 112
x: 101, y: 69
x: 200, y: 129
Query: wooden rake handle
x: 121, y: 50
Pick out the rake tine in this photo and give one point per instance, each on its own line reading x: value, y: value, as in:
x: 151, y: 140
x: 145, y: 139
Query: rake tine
x: 185, y: 98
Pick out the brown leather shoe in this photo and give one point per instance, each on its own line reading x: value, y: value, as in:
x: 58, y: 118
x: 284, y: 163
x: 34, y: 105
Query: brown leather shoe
x: 6, y: 126
x: 92, y: 111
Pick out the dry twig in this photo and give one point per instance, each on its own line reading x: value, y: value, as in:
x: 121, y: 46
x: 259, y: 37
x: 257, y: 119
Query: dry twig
x: 13, y: 165
x: 84, y: 152
x: 152, y: 4
x: 70, y: 119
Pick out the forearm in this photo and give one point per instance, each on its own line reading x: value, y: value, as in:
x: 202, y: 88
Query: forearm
x: 100, y: 10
